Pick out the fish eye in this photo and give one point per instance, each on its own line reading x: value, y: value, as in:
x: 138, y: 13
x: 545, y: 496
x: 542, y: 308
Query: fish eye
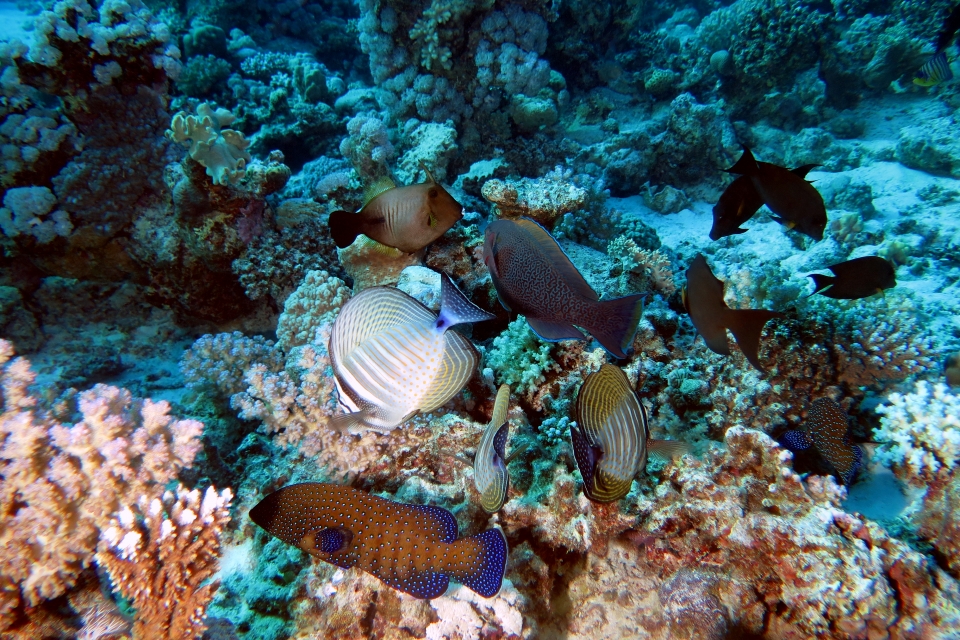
x: 432, y: 193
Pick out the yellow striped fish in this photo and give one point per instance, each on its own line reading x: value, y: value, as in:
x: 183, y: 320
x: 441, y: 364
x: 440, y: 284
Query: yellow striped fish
x: 393, y: 357
x: 405, y: 218
x: 935, y: 71
x: 490, y: 464
x: 611, y: 440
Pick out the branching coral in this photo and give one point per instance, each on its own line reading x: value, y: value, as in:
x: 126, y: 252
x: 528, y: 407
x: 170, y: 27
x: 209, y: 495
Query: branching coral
x: 62, y: 482
x: 220, y: 362
x: 640, y: 270
x: 162, y: 557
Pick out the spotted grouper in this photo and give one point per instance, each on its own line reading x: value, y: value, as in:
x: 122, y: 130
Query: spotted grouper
x: 413, y: 548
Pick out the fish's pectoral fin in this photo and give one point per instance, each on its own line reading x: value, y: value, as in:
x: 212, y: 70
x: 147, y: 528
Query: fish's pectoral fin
x: 423, y: 165
x: 554, y: 331
x: 821, y: 282
x: 666, y: 450
x: 455, y: 308
x: 329, y: 540
x: 516, y: 453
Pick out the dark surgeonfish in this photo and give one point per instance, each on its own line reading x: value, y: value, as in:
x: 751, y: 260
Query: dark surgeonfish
x: 739, y: 202
x: 703, y: 298
x: 535, y: 278
x: 411, y: 547
x: 392, y: 357
x: 490, y: 462
x: 794, y: 200
x: 826, y: 429
x: 611, y: 440
x: 857, y: 278
x: 405, y: 218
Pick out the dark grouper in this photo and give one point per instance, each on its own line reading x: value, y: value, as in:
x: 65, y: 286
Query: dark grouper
x: 411, y: 547
x: 405, y: 218
x: 534, y: 277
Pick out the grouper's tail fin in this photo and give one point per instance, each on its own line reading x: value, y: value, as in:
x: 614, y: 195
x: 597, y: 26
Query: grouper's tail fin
x: 490, y: 548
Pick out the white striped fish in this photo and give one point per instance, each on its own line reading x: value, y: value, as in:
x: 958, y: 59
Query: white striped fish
x: 490, y: 463
x: 934, y: 71
x: 392, y: 357
x: 611, y: 440
x: 405, y: 218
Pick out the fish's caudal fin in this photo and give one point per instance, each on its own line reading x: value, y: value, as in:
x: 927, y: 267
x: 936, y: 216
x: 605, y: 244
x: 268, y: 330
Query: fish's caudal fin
x: 491, y: 549
x: 344, y: 228
x: 622, y: 318
x: 821, y: 282
x: 455, y: 308
x: 746, y: 165
x: 746, y: 325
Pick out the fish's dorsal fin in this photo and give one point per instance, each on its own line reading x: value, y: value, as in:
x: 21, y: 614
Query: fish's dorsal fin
x: 455, y: 308
x: 430, y: 178
x: 556, y: 256
x: 747, y: 164
x: 501, y: 406
x: 459, y: 363
x: 666, y: 450
x: 382, y: 185
x: 439, y: 520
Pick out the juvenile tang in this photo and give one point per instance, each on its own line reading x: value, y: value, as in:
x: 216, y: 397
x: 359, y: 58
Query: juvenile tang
x: 534, y: 277
x: 738, y: 203
x: 703, y: 298
x: 611, y: 441
x: 855, y: 279
x: 410, y: 547
x: 826, y: 429
x: 393, y: 357
x: 793, y: 199
x: 405, y: 218
x: 490, y: 463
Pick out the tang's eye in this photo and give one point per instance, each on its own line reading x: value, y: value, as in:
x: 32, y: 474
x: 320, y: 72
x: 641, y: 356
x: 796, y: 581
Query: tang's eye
x: 433, y: 193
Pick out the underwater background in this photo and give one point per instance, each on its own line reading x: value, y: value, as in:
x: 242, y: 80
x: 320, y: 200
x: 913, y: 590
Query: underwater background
x: 173, y: 176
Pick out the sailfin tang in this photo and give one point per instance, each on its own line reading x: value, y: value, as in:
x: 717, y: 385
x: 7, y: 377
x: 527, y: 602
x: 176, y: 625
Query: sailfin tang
x: 746, y: 325
x: 459, y: 362
x: 623, y: 317
x: 455, y: 308
x: 666, y: 449
x: 492, y: 549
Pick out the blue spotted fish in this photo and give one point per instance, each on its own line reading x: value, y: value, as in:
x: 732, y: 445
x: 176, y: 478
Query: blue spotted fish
x: 413, y: 548
x: 826, y: 431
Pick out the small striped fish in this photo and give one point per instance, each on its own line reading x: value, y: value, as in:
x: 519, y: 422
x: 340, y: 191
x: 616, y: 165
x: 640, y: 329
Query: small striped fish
x: 392, y: 357
x: 826, y: 430
x: 405, y: 218
x: 490, y: 464
x: 611, y: 440
x: 411, y: 547
x: 935, y: 71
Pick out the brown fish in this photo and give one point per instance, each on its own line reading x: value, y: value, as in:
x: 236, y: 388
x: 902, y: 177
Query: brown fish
x: 703, y: 298
x: 794, y: 200
x: 826, y: 429
x: 855, y: 279
x: 535, y: 278
x: 411, y: 547
x: 738, y: 203
x: 405, y: 218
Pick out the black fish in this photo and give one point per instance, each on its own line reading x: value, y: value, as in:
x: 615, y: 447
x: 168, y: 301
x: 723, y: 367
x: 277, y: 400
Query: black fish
x: 795, y: 202
x: 950, y: 27
x: 738, y: 203
x: 855, y: 279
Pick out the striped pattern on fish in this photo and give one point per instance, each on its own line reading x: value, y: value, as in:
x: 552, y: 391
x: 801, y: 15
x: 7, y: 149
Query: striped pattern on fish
x: 490, y: 463
x: 412, y: 548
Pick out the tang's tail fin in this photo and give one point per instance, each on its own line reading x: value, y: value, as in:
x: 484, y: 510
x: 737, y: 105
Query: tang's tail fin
x: 490, y: 547
x: 455, y: 308
x: 620, y: 320
x: 746, y: 165
x: 344, y: 228
x: 821, y: 282
x: 746, y: 325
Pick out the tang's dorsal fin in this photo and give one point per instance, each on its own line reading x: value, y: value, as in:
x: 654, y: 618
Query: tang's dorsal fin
x: 382, y: 185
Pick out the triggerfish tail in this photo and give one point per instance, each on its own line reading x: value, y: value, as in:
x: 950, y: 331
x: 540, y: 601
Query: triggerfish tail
x: 746, y: 326
x: 621, y: 317
x: 934, y: 71
x: 455, y: 308
x: 410, y: 547
x: 344, y: 227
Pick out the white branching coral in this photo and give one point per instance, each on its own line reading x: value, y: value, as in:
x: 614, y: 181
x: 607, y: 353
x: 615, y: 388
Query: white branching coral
x: 920, y: 432
x: 315, y: 303
x: 163, y: 561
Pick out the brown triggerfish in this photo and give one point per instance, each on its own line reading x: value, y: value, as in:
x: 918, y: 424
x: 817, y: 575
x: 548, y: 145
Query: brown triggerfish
x: 405, y: 218
x: 611, y: 439
x: 738, y: 203
x: 703, y: 298
x: 411, y: 547
x: 794, y: 200
x: 826, y: 430
x: 857, y: 278
x: 535, y: 278
x: 393, y: 357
